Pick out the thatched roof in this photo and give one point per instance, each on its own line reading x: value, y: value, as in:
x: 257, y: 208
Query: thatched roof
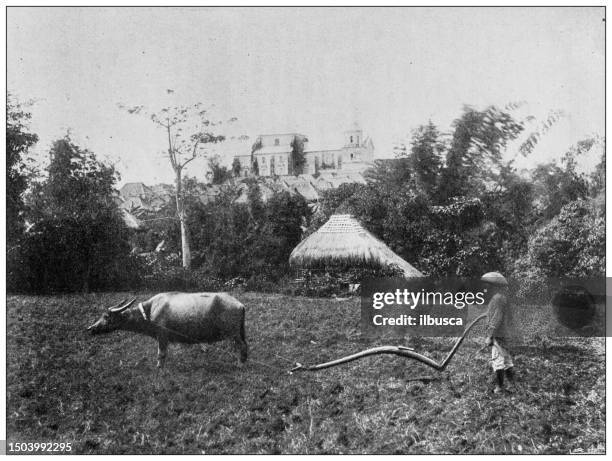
x: 344, y: 241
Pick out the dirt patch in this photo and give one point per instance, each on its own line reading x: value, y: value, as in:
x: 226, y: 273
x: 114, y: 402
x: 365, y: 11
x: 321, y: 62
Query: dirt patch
x: 105, y: 396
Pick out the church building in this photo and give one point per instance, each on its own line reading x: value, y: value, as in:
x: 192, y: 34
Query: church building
x: 273, y: 155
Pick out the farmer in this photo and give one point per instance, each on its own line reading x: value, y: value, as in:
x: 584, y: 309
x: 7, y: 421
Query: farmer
x: 498, y: 329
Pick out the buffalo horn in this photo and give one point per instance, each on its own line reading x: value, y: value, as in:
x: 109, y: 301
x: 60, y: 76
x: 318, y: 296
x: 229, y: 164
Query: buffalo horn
x: 118, y: 304
x: 122, y: 306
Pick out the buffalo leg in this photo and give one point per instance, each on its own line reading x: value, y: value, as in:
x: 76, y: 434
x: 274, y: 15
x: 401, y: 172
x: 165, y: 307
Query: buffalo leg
x: 162, y: 349
x: 242, y: 348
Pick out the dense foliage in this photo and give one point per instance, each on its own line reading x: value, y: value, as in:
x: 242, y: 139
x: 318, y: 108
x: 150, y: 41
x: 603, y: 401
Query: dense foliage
x: 572, y: 244
x: 19, y: 139
x: 231, y: 239
x: 448, y: 203
x: 77, y: 239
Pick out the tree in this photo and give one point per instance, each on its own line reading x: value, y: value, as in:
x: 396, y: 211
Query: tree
x: 236, y: 167
x: 390, y: 173
x: 189, y: 130
x: 529, y: 144
x: 557, y: 185
x: 510, y: 214
x: 285, y: 215
x: 258, y: 144
x: 474, y: 157
x: 598, y: 177
x: 78, y: 240
x: 256, y: 204
x: 18, y: 141
x: 298, y: 159
x: 220, y: 173
x: 426, y: 157
x: 470, y: 212
x: 572, y: 244
x: 417, y: 169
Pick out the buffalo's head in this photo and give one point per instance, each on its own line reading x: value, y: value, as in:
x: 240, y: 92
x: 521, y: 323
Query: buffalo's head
x: 112, y: 319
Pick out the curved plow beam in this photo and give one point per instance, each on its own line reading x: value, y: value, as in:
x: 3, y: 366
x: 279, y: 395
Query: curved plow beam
x: 401, y: 351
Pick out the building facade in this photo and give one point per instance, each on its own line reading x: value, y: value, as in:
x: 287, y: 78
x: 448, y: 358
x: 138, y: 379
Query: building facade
x: 273, y: 155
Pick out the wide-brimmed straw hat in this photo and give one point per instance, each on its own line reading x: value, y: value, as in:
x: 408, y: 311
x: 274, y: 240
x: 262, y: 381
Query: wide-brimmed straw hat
x: 495, y: 278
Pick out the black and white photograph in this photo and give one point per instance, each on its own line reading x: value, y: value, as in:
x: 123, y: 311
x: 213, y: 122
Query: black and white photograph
x: 305, y: 230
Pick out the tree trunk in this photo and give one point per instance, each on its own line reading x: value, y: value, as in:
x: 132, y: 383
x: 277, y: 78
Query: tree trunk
x: 180, y: 211
x: 185, y: 244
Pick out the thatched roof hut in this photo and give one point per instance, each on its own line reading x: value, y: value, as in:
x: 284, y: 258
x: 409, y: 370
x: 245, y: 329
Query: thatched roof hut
x: 343, y: 241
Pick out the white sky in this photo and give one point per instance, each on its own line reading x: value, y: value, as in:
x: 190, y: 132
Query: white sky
x: 311, y: 70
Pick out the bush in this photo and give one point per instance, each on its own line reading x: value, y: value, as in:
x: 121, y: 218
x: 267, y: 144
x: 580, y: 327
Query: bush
x: 73, y: 254
x: 162, y: 273
x: 326, y: 283
x: 571, y: 245
x: 262, y: 283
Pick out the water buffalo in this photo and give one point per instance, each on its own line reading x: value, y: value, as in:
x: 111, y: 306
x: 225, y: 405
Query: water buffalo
x: 179, y: 317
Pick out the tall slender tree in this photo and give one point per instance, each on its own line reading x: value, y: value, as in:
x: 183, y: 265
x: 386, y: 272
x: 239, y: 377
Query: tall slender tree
x: 298, y: 159
x: 190, y: 129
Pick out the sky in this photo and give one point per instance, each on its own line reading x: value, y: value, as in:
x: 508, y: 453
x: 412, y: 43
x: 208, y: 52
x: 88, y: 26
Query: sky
x: 310, y: 70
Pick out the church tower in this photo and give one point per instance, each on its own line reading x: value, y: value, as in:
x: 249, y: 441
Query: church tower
x: 354, y: 136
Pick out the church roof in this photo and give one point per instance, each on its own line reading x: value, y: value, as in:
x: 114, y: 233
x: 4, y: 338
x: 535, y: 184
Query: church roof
x: 273, y: 150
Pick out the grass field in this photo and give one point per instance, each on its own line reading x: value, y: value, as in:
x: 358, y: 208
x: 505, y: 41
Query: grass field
x: 105, y: 395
